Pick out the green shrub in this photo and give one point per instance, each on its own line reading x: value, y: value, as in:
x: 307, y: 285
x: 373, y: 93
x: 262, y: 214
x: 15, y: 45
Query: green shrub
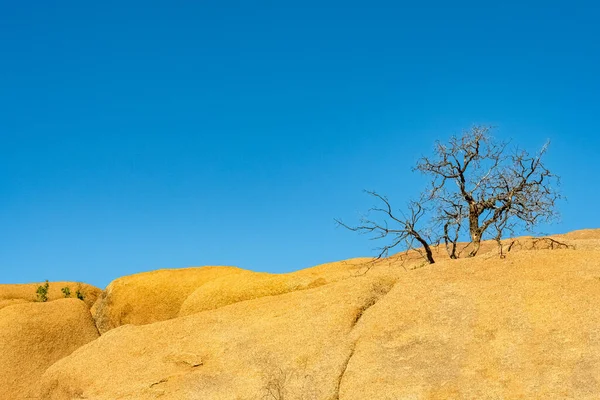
x: 79, y: 295
x: 42, y: 292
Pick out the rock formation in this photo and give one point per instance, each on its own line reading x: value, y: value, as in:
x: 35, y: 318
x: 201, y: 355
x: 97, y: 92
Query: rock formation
x: 523, y: 326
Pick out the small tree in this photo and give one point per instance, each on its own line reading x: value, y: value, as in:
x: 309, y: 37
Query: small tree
x: 476, y: 183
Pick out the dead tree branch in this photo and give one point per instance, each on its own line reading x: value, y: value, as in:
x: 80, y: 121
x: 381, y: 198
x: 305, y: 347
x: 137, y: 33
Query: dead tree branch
x: 403, y: 230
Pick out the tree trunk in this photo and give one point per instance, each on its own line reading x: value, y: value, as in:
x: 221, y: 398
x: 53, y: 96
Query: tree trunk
x: 450, y: 244
x: 476, y: 240
x: 500, y: 247
x: 451, y: 249
x: 429, y: 254
x: 474, y: 229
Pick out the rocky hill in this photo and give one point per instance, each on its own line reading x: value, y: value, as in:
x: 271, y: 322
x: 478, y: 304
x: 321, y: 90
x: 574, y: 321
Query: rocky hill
x: 524, y: 326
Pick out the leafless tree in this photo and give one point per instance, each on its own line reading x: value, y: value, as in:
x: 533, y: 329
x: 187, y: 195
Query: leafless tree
x: 503, y: 225
x: 403, y: 230
x: 492, y: 183
x: 287, y: 383
x: 478, y: 187
x: 276, y: 386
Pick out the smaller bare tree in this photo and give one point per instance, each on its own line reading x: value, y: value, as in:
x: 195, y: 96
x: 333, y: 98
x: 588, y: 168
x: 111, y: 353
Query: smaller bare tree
x: 403, y: 230
x: 285, y: 383
x: 448, y: 217
x: 500, y: 227
x: 276, y: 386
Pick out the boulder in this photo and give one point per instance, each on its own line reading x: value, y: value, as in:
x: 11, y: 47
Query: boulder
x: 151, y: 296
x: 297, y: 343
x: 231, y: 289
x: 33, y: 336
x: 525, y: 327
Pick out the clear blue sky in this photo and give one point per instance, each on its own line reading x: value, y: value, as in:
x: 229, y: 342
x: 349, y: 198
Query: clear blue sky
x: 145, y: 135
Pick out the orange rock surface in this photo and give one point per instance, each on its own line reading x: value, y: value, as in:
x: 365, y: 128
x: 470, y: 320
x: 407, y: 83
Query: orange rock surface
x: 525, y: 326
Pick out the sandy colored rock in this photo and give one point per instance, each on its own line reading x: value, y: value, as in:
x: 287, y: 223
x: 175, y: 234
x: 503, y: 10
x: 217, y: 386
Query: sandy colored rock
x: 11, y: 302
x: 151, y: 296
x: 35, y: 335
x: 231, y: 289
x: 526, y: 326
x: 27, y: 291
x: 229, y: 353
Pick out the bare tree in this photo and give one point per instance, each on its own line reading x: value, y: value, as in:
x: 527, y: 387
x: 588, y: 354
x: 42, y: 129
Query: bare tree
x: 493, y: 185
x: 403, y: 231
x: 276, y: 386
x: 477, y: 185
x: 285, y: 383
x: 500, y: 227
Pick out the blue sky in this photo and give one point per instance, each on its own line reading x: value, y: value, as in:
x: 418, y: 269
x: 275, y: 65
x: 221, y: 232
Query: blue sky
x: 145, y: 135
